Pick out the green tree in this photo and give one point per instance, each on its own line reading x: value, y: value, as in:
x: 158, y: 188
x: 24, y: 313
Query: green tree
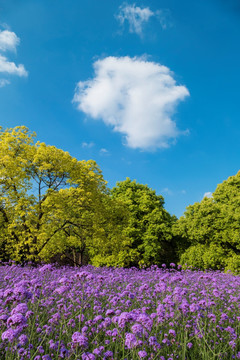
x: 212, y: 228
x: 149, y: 227
x: 49, y: 201
x: 110, y: 245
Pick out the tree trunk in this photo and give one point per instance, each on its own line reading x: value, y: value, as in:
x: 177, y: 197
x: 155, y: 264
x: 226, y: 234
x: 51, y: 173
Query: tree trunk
x: 74, y: 257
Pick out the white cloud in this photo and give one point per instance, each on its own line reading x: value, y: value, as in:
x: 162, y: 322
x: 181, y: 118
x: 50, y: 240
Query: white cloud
x: 11, y: 68
x: 88, y: 145
x: 165, y: 18
x: 137, y: 17
x: 8, y: 40
x: 136, y: 97
x: 4, y: 82
x: 207, y: 194
x: 104, y: 152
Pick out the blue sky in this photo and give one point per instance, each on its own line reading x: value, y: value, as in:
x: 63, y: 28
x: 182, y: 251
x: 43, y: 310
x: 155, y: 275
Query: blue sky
x: 150, y: 90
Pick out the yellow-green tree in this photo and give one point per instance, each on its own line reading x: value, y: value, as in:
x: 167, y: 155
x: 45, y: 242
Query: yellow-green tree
x: 49, y: 201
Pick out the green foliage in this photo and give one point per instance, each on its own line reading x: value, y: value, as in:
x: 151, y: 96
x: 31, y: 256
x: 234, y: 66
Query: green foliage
x: 149, y: 227
x: 213, y: 223
x: 204, y: 257
x: 233, y: 264
x: 50, y: 202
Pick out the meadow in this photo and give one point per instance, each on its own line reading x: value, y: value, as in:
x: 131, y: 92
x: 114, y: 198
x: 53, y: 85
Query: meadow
x: 88, y: 313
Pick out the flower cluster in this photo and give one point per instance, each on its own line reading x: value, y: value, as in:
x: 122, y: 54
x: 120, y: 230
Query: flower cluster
x: 50, y: 313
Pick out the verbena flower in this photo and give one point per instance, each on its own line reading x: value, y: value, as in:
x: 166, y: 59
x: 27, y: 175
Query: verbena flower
x: 130, y: 340
x: 20, y: 308
x: 23, y: 339
x: 81, y: 340
x: 10, y: 335
x: 16, y: 319
x: 88, y: 356
x: 108, y: 354
x: 142, y: 354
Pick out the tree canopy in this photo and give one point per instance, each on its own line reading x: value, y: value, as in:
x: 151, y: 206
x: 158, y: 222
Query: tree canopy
x: 149, y: 226
x: 49, y: 201
x: 212, y: 228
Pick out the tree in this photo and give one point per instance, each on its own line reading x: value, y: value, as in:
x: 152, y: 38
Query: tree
x: 110, y: 245
x: 212, y: 227
x: 49, y: 201
x: 149, y: 225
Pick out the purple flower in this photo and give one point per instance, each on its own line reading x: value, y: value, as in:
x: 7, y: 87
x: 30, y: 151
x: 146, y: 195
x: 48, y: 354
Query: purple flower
x: 63, y: 352
x: 230, y: 330
x: 124, y: 318
x: 172, y: 332
x: 137, y: 329
x: 16, y: 319
x: 130, y: 340
x: 62, y: 289
x: 98, y: 318
x: 110, y: 312
x: 146, y: 321
x: 108, y: 354
x: 45, y: 268
x: 20, y: 308
x: 3, y: 317
x: 22, y: 351
x: 232, y: 344
x: 52, y: 345
x: 9, y: 335
x: 46, y: 357
x: 224, y: 316
x: 84, y: 329
x: 23, y: 339
x: 82, y: 274
x: 97, y: 351
x: 40, y: 349
x: 152, y: 341
x: 28, y: 314
x: 88, y: 356
x: 189, y: 345
x: 81, y: 340
x: 142, y: 354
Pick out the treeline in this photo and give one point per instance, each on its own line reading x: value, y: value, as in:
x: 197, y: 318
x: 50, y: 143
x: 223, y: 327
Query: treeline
x: 54, y: 207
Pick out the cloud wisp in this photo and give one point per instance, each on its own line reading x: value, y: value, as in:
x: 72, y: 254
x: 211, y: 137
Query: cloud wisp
x: 88, y: 145
x: 104, y: 151
x: 11, y: 68
x: 135, y: 97
x: 207, y: 194
x: 137, y: 17
x: 4, y: 82
x: 9, y: 42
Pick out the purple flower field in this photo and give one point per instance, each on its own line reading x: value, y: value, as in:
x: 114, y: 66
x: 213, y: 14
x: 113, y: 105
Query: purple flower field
x: 103, y: 313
